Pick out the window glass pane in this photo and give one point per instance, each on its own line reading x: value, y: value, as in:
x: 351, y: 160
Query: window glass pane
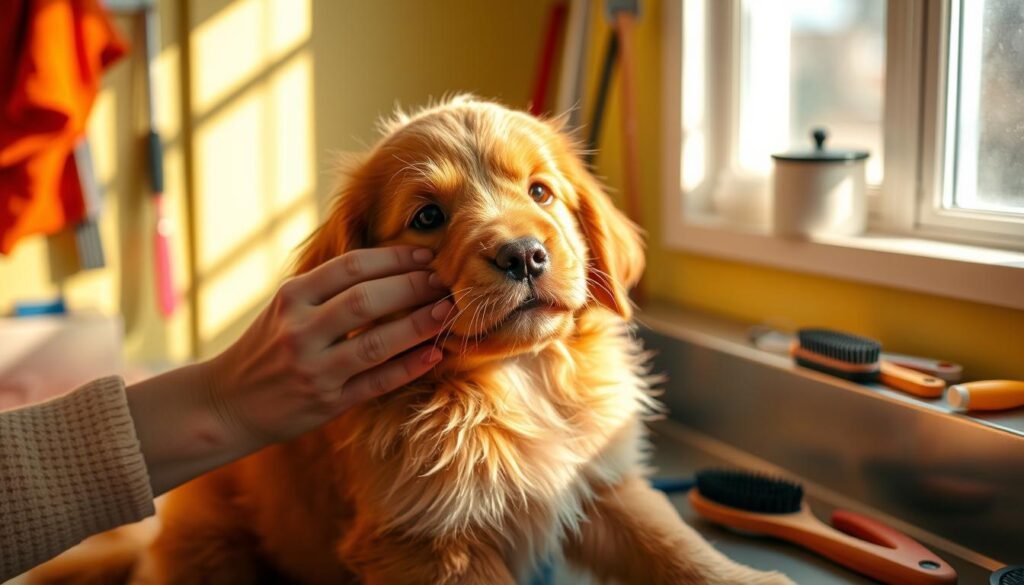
x: 807, y: 64
x: 990, y: 132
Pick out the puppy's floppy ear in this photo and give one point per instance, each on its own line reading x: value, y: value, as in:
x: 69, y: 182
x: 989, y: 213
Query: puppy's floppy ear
x: 615, y: 244
x: 346, y: 227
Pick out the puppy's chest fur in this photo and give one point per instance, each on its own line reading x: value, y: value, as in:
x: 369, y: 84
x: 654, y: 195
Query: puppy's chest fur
x: 509, y: 453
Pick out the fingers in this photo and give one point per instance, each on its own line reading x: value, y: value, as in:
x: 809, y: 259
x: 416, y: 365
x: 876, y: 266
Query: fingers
x: 368, y: 301
x: 389, y: 376
x: 381, y: 343
x: 351, y: 268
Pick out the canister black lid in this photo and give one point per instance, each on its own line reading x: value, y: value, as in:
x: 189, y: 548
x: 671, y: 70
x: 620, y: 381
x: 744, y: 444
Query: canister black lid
x: 821, y: 154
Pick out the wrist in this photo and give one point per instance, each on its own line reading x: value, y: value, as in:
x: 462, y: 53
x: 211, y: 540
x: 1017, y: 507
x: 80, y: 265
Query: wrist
x: 223, y: 402
x: 182, y: 429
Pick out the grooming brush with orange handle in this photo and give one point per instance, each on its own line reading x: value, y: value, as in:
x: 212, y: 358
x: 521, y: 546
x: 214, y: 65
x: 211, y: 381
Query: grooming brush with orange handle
x: 986, y: 395
x: 857, y: 358
x: 775, y: 507
x: 778, y: 342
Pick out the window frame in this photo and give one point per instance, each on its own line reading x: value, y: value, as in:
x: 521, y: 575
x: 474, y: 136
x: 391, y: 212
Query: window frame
x: 941, y: 125
x: 904, y: 247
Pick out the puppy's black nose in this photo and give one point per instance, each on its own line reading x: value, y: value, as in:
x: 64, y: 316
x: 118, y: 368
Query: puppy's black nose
x: 521, y: 259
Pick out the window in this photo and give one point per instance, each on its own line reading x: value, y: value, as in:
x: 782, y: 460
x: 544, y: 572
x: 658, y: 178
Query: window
x: 973, y: 182
x: 933, y: 89
x: 809, y: 64
x: 990, y: 108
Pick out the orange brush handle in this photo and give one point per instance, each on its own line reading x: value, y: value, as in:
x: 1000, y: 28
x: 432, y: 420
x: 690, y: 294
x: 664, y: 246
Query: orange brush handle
x: 864, y: 545
x: 910, y: 381
x: 987, y: 395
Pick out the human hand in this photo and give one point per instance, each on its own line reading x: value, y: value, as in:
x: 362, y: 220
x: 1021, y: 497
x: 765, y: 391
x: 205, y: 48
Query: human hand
x: 296, y: 367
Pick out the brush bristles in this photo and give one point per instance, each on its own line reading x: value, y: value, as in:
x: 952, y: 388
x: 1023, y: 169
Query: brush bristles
x: 750, y: 492
x: 1011, y: 576
x: 840, y: 346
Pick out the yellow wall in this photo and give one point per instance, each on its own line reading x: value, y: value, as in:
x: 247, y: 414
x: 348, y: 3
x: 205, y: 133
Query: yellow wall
x: 987, y: 340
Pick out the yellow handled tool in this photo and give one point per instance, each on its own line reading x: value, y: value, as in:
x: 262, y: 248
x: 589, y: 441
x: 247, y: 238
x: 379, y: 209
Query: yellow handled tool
x: 986, y: 395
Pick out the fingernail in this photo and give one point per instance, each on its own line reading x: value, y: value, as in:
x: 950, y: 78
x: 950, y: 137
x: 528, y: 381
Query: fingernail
x: 422, y: 255
x: 434, y: 280
x: 432, y: 357
x: 441, y: 310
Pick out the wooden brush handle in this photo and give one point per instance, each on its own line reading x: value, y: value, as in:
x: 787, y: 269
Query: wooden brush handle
x: 879, y: 552
x: 907, y: 551
x: 910, y: 381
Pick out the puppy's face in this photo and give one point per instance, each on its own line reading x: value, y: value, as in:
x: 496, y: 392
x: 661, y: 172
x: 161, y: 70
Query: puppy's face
x: 522, y: 234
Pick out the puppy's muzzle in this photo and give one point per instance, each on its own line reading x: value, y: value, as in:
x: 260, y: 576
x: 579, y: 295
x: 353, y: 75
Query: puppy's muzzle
x: 522, y: 259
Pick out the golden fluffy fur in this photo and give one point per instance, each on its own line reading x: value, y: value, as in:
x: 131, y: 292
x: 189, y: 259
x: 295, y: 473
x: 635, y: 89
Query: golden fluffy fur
x: 527, y: 439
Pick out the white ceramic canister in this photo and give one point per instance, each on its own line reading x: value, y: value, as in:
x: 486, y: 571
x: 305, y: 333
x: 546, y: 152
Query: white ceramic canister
x: 820, y: 191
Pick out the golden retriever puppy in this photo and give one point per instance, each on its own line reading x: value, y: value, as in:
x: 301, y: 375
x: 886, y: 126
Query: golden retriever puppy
x: 527, y: 439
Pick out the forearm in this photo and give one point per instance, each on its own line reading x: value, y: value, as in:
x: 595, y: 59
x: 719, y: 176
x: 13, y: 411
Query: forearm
x: 69, y: 468
x: 181, y: 431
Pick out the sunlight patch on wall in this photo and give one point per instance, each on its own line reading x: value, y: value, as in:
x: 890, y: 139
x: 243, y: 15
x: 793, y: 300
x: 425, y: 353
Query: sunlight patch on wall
x: 290, y: 23
x: 291, y: 132
x: 226, y: 296
x: 255, y: 165
x: 292, y: 231
x: 254, y: 161
x: 235, y: 45
x: 229, y: 295
x: 229, y: 178
x: 227, y: 50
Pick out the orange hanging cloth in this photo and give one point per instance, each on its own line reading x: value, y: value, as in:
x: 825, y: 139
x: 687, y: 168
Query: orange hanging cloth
x: 52, y: 55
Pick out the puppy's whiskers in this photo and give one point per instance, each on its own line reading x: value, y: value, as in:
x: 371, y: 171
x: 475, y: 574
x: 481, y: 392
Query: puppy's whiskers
x: 450, y: 325
x: 505, y: 301
x: 452, y: 295
x: 593, y: 268
x: 470, y: 328
x: 449, y: 321
x: 487, y: 318
x: 599, y: 285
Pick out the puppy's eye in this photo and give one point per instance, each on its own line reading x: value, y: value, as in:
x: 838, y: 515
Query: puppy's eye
x: 429, y: 217
x: 541, y: 194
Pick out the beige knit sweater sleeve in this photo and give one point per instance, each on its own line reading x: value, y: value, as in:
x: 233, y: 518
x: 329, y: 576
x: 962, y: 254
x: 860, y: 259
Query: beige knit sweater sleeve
x: 69, y: 468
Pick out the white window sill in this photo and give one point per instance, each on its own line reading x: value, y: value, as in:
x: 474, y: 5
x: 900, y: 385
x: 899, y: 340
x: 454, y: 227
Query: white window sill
x: 972, y: 273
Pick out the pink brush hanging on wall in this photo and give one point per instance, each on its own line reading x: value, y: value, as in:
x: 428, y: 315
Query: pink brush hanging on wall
x: 166, y: 297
